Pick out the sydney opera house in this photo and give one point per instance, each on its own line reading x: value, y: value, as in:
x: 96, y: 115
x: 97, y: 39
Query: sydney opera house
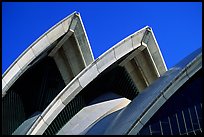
x: 56, y: 87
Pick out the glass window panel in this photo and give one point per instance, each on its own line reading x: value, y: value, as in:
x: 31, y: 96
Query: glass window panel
x: 187, y: 120
x: 165, y: 126
x: 191, y: 133
x: 199, y: 112
x: 174, y: 125
x: 183, y: 111
x: 145, y: 131
x: 198, y: 132
x: 194, y: 118
x: 181, y: 123
x: 156, y: 129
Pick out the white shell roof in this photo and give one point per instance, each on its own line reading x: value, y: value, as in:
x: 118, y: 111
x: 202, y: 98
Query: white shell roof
x: 88, y: 74
x: 20, y: 65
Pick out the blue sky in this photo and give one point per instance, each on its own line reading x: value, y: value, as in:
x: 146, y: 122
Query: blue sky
x: 177, y: 26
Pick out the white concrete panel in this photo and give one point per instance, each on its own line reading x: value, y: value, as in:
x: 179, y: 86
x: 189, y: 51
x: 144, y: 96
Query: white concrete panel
x: 129, y: 67
x: 176, y: 85
x: 83, y: 126
x: 157, y: 49
x: 4, y: 86
x: 12, y: 74
x: 121, y: 105
x: 40, y: 128
x: 61, y: 132
x: 132, y: 55
x: 53, y: 112
x: 66, y: 24
x: 102, y: 108
x: 123, y: 48
x: 75, y: 120
x: 66, y: 130
x: 71, y: 92
x: 88, y: 115
x: 152, y: 45
x: 106, y: 60
x: 73, y: 24
x: 42, y: 44
x: 88, y: 75
x: 26, y: 59
x: 83, y: 114
x: 194, y: 67
x: 63, y: 66
x: 3, y: 83
x: 54, y: 34
x: 152, y: 62
x: 75, y: 130
x: 89, y: 109
x: 145, y: 65
x: 135, y: 129
x: 98, y: 113
x: 159, y: 62
x: 153, y: 109
x: 115, y: 103
x: 137, y: 38
x: 3, y: 93
x: 74, y: 56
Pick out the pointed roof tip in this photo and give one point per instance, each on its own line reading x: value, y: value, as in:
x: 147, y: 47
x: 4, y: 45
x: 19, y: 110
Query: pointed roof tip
x: 77, y: 13
x: 148, y: 28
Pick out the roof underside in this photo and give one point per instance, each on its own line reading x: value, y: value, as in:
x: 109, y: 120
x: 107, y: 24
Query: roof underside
x: 70, y: 29
x: 61, y: 62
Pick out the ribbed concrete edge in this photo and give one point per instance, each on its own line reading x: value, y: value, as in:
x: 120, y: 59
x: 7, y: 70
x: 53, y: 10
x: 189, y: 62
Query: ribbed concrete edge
x: 90, y: 73
x: 184, y: 74
x: 20, y: 65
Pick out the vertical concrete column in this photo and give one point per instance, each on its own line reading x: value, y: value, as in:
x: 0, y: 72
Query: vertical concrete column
x: 63, y: 66
x: 147, y: 68
x: 73, y: 55
x: 135, y: 74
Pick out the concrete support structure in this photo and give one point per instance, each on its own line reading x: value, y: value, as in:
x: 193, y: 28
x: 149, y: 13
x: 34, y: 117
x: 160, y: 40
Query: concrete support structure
x: 147, y: 73
x: 56, y: 37
x: 129, y: 81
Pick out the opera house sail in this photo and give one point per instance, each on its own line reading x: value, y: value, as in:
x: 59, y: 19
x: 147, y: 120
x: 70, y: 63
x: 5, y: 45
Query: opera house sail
x: 56, y: 87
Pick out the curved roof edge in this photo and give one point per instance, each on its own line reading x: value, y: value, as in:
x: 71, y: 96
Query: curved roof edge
x: 146, y: 104
x: 36, y: 41
x: 122, y: 48
x: 21, y: 64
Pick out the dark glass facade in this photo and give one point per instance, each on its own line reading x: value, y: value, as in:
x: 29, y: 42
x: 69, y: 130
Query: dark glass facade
x: 31, y: 94
x: 181, y: 114
x: 116, y: 80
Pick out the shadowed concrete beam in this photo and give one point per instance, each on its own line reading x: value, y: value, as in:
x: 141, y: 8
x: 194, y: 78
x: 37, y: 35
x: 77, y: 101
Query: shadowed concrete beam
x: 60, y: 43
x: 63, y: 66
x: 90, y: 114
x: 136, y: 75
x: 144, y: 62
x: 67, y: 35
x: 138, y: 64
x: 141, y: 67
x: 97, y: 67
x: 73, y: 55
